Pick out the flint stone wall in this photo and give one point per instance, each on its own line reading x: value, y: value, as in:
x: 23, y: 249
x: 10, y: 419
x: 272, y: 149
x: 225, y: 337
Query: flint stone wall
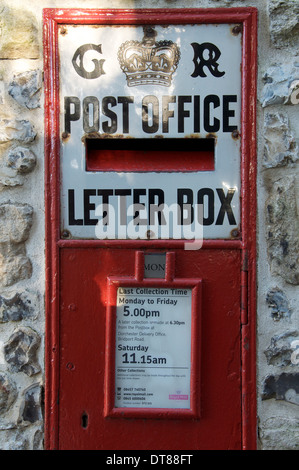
x: 21, y: 229
x: 22, y: 279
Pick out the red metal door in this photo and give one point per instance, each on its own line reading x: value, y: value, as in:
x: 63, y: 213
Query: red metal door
x: 82, y: 424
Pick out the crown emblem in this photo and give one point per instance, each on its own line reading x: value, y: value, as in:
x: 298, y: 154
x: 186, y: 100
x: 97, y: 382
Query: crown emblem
x: 148, y: 62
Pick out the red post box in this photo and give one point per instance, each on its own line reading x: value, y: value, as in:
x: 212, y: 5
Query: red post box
x: 150, y: 208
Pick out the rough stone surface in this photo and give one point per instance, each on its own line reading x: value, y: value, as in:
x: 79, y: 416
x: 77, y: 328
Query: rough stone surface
x: 25, y: 88
x: 15, y: 225
x: 14, y: 264
x: 38, y: 440
x: 30, y: 411
x: 284, y: 22
x: 8, y: 393
x: 280, y: 144
x: 279, y: 85
x: 21, y: 351
x: 279, y: 433
x: 278, y: 302
x: 19, y: 34
x: 9, y: 178
x: 18, y: 129
x: 17, y: 162
x: 283, y: 229
x: 15, y: 222
x: 2, y: 91
x: 282, y: 387
x: 21, y: 159
x: 15, y: 440
x: 20, y: 306
x: 279, y: 353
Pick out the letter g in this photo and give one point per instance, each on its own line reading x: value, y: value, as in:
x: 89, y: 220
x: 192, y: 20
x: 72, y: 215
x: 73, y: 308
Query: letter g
x: 98, y: 64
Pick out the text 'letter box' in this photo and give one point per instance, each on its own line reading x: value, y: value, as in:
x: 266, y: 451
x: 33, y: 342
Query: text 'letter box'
x: 150, y: 197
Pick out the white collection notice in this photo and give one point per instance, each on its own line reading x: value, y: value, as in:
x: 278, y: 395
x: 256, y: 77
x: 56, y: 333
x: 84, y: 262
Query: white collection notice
x: 153, y: 347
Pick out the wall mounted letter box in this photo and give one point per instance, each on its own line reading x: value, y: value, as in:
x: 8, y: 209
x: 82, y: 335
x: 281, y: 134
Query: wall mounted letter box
x: 150, y: 204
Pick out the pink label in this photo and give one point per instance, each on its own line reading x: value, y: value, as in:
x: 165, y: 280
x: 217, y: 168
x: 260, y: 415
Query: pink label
x: 178, y: 397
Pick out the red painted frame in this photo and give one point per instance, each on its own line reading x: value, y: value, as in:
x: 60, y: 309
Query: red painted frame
x: 169, y: 281
x: 247, y: 17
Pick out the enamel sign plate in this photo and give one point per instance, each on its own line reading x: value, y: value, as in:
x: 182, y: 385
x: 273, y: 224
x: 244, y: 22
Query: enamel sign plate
x: 150, y: 83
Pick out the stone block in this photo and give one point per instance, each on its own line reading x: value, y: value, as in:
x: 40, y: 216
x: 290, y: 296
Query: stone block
x: 15, y: 222
x: 38, y: 440
x: 14, y: 264
x: 280, y: 81
x: 21, y: 159
x: 15, y: 440
x: 280, y: 351
x: 16, y: 129
x: 282, y: 387
x: 9, y: 178
x: 30, y: 411
x: 25, y: 88
x: 19, y: 34
x: 284, y: 22
x: 8, y: 393
x: 2, y: 92
x: 21, y: 306
x: 278, y: 302
x: 15, y: 225
x: 16, y: 162
x: 279, y: 433
x: 280, y: 144
x: 20, y: 351
x: 283, y: 229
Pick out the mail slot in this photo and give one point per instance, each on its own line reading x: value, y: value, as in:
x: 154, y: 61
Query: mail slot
x: 150, y: 205
x: 136, y: 155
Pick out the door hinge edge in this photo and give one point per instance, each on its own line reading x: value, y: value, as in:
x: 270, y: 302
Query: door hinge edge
x: 244, y: 288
